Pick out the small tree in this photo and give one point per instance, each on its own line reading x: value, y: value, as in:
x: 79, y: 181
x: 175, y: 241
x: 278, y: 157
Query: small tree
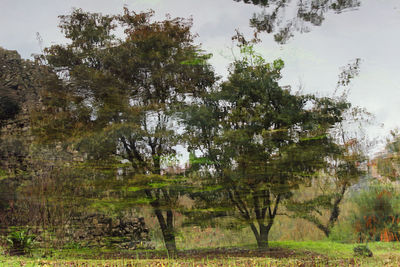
x: 344, y: 166
x: 323, y: 209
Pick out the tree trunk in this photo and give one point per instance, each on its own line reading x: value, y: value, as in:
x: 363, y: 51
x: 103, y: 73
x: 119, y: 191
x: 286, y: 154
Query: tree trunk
x: 263, y: 238
x: 166, y: 224
x: 335, y: 212
x: 167, y: 229
x: 335, y: 209
x: 324, y: 229
x: 170, y: 244
x: 264, y: 232
x: 261, y: 234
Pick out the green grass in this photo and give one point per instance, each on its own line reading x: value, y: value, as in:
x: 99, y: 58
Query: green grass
x: 327, y: 248
x: 311, y: 253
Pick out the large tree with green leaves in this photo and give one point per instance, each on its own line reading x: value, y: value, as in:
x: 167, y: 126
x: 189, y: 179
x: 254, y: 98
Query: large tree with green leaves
x: 118, y: 98
x: 256, y: 142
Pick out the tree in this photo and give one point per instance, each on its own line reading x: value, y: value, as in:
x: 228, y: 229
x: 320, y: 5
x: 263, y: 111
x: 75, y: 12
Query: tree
x: 118, y: 98
x: 331, y: 184
x: 344, y: 168
x: 256, y: 142
x: 308, y: 13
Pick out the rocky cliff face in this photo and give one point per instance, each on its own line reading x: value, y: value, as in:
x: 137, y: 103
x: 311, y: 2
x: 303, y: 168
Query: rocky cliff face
x: 19, y: 96
x: 20, y: 79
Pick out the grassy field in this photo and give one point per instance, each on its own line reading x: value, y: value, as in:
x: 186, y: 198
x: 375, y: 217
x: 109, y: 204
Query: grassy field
x: 288, y: 253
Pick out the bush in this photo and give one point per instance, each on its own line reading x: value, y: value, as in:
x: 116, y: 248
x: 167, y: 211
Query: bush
x: 378, y: 214
x: 20, y: 242
x: 363, y: 251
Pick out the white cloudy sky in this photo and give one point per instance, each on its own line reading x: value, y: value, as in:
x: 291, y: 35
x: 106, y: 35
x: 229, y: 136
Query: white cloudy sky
x: 313, y: 59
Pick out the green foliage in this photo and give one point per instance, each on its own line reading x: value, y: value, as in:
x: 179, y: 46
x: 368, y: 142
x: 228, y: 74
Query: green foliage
x: 3, y: 174
x: 198, y: 60
x: 362, y: 250
x: 274, y: 19
x: 72, y: 245
x: 125, y: 104
x: 258, y: 142
x: 119, y: 100
x: 343, y: 232
x: 20, y: 241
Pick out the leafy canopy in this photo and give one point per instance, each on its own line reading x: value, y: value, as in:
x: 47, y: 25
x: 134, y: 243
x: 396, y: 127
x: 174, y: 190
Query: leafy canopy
x: 258, y: 141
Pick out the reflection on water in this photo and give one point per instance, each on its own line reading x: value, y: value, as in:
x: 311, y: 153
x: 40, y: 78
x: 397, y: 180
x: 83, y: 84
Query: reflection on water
x: 284, y: 17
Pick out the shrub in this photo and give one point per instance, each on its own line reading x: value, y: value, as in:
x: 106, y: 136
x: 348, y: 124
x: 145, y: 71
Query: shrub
x: 378, y: 215
x: 20, y: 242
x: 362, y: 250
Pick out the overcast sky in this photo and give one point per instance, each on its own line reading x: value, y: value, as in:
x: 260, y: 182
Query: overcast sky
x: 312, y: 60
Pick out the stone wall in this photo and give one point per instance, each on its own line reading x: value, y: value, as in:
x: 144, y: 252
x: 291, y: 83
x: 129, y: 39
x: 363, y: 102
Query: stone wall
x: 98, y: 230
x: 19, y: 82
